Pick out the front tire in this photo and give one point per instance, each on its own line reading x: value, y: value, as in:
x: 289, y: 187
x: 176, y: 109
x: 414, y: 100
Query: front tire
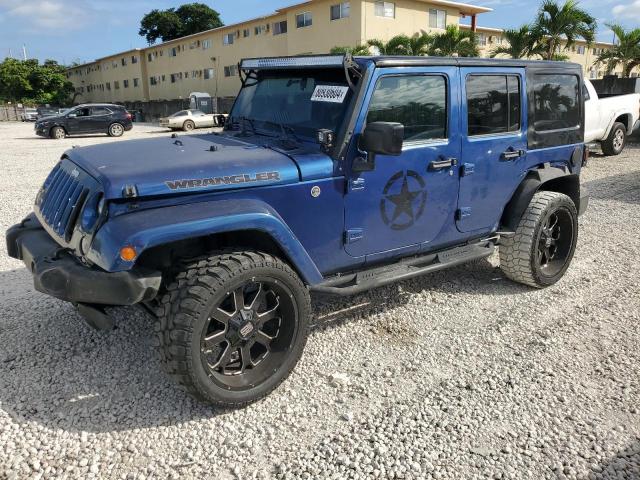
x: 116, y: 130
x: 616, y: 141
x: 542, y: 248
x: 58, y: 133
x: 231, y: 327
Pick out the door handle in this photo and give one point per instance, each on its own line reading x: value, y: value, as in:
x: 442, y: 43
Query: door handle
x: 443, y: 163
x: 512, y: 154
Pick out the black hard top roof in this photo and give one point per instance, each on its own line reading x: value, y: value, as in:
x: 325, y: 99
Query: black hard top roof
x: 401, y: 61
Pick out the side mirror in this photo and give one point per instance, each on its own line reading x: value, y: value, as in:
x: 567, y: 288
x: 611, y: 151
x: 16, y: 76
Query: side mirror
x: 383, y: 138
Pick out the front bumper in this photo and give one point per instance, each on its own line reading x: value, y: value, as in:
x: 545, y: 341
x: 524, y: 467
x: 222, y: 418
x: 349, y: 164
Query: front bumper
x: 58, y: 273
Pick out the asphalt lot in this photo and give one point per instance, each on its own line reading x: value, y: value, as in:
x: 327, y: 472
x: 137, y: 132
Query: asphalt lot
x: 461, y: 374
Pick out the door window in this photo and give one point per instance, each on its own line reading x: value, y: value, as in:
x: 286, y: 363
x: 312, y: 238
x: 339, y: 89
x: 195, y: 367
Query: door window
x: 493, y: 104
x: 419, y: 102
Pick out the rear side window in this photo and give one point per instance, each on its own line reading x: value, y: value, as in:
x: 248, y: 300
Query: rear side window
x: 556, y: 102
x: 419, y: 102
x: 100, y: 111
x: 493, y: 104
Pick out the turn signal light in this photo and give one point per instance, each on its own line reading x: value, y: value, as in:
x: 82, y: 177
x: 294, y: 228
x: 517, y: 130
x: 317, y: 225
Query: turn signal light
x: 128, y: 254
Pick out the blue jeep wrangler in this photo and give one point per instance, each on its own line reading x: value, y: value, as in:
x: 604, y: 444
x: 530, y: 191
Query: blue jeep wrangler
x: 333, y: 175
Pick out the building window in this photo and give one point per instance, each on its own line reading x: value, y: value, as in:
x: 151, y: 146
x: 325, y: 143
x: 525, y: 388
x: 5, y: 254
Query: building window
x: 206, y: 44
x: 208, y: 73
x: 246, y: 32
x: 108, y: 85
x: 493, y: 104
x: 482, y: 39
x: 385, y: 9
x: 173, y: 51
x: 437, y: 18
x: 123, y: 61
x: 114, y: 64
x: 228, y: 38
x: 341, y: 10
x: 134, y: 59
x: 116, y: 85
x: 174, y: 77
x: 149, y: 57
x: 280, y: 27
x: 136, y: 82
x: 580, y: 50
x: 304, y: 20
x: 231, y: 71
x: 125, y: 83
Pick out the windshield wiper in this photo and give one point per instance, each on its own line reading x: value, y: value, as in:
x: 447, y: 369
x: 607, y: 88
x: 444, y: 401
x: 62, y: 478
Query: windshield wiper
x: 244, y: 121
x: 288, y: 133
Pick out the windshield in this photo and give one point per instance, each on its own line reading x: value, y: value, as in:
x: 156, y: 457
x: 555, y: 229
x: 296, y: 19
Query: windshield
x: 298, y: 102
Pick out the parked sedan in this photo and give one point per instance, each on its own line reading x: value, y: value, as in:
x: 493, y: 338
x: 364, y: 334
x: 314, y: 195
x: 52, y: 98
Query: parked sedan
x: 113, y: 120
x: 187, y: 120
x: 29, y: 115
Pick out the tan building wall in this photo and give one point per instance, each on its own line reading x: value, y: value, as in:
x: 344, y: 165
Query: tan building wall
x: 205, y: 62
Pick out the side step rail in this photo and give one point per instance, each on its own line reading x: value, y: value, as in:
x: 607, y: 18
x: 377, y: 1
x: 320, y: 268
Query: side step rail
x: 351, y: 284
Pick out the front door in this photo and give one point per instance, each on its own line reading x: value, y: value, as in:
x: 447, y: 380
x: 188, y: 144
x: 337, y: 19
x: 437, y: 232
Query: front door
x: 406, y: 200
x: 494, y: 147
x: 81, y: 122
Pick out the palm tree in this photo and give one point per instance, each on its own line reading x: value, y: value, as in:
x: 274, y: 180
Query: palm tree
x: 416, y: 45
x: 523, y: 43
x: 453, y: 41
x: 566, y: 23
x: 625, y: 52
x: 358, y: 50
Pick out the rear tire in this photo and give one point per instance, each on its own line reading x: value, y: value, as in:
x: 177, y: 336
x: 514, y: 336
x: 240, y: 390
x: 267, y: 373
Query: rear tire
x: 116, y: 130
x: 232, y: 326
x: 188, y: 126
x: 616, y: 141
x: 542, y: 248
x: 58, y: 133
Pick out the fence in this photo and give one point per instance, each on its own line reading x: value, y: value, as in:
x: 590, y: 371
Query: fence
x: 10, y: 113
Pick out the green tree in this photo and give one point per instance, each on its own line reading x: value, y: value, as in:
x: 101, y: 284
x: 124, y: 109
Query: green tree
x: 455, y: 42
x: 522, y: 43
x: 178, y: 22
x: 361, y: 50
x: 562, y: 24
x: 416, y: 45
x: 29, y: 82
x: 625, y: 52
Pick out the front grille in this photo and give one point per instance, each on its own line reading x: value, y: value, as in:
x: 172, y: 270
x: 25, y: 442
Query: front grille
x: 61, y: 199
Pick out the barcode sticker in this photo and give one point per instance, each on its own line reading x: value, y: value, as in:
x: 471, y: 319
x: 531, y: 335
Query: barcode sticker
x: 329, y: 93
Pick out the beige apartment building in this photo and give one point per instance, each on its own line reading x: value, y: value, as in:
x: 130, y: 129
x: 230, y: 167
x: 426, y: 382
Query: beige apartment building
x: 207, y: 61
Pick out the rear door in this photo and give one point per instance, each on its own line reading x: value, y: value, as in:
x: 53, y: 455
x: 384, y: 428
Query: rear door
x: 101, y: 118
x: 407, y: 200
x: 493, y: 146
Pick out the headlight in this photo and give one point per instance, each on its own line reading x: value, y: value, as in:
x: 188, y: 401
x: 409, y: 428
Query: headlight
x: 91, y: 212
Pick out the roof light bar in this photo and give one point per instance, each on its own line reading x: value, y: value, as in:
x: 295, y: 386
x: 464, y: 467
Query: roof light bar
x: 292, y: 62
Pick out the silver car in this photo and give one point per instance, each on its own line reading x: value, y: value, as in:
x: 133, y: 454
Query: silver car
x: 187, y: 120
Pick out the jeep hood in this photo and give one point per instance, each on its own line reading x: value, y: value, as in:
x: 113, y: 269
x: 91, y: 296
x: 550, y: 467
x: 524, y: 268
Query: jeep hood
x: 193, y: 163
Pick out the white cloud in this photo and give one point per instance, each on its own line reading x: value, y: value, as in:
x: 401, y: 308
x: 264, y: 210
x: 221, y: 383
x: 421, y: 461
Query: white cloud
x: 627, y: 10
x: 56, y: 15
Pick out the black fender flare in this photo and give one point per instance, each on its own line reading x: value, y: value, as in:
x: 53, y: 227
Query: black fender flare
x: 547, y: 177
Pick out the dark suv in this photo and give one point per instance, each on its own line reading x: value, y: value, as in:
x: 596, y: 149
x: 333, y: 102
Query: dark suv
x: 113, y: 120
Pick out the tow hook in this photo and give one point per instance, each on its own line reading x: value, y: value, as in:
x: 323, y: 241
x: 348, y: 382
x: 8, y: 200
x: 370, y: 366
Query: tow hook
x: 96, y: 317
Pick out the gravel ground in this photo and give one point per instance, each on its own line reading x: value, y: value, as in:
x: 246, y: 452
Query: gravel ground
x: 461, y: 374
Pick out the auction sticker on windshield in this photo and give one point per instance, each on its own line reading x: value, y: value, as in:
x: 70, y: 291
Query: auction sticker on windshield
x: 329, y: 93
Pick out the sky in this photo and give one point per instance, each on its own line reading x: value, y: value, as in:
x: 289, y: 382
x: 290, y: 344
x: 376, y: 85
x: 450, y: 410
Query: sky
x: 83, y: 30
